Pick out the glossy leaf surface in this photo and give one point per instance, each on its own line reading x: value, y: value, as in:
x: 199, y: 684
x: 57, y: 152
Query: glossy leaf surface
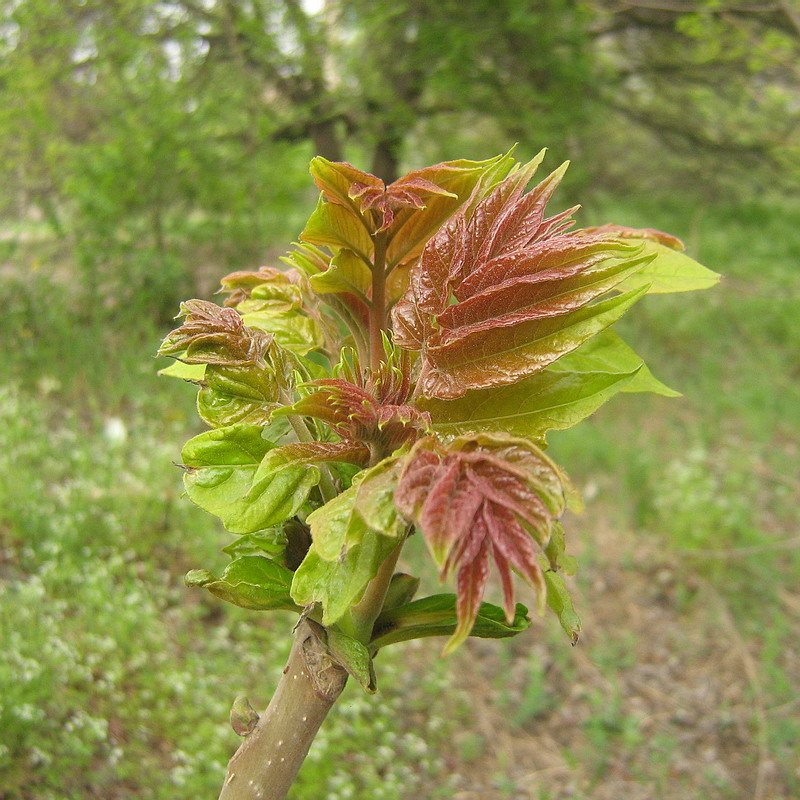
x: 556, y: 398
x: 670, y: 271
x: 524, y: 290
x: 233, y: 395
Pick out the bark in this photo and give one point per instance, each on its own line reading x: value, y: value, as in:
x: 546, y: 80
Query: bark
x: 265, y: 765
x: 326, y: 141
x: 386, y: 159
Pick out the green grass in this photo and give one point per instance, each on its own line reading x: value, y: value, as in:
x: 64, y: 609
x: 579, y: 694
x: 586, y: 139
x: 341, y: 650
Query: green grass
x: 116, y: 680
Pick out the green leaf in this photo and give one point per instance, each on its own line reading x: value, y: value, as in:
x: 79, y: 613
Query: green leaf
x: 436, y: 616
x: 560, y: 601
x: 186, y: 372
x: 338, y: 585
x: 270, y: 542
x: 252, y: 582
x: 237, y: 394
x: 334, y: 524
x: 347, y: 273
x: 556, y: 551
x: 368, y: 505
x: 354, y: 657
x: 292, y: 330
x: 670, y: 271
x: 338, y: 226
x: 231, y: 473
x: 558, y: 397
x: 402, y: 589
x: 545, y: 401
x: 607, y: 352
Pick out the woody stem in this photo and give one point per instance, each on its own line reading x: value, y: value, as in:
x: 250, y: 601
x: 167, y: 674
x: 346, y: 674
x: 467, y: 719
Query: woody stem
x: 377, y: 312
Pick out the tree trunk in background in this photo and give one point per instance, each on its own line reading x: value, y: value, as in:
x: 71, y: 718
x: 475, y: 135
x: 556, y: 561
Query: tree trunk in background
x: 326, y: 142
x: 386, y: 159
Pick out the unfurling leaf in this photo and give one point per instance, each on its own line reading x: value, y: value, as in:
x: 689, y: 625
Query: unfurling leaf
x: 354, y: 657
x: 560, y: 601
x: 670, y: 271
x: 358, y: 414
x: 356, y: 204
x: 253, y: 582
x: 367, y: 506
x: 436, y: 616
x: 402, y: 589
x: 214, y: 335
x: 243, y: 716
x: 232, y: 395
x: 480, y: 498
x: 235, y: 474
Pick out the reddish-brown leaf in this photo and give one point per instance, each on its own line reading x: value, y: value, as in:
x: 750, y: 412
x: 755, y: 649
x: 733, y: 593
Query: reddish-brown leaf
x: 478, y: 496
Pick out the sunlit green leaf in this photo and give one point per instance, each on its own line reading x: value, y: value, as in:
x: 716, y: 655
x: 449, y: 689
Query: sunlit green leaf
x: 252, y: 582
x: 347, y: 273
x: 670, y: 271
x: 293, y: 330
x: 186, y: 372
x: 338, y: 226
x: 436, y: 616
x: 237, y: 394
x: 368, y: 505
x: 231, y: 473
x: 339, y: 584
x: 607, y: 352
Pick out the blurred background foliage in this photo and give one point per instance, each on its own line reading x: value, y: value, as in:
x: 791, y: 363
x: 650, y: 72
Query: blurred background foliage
x: 146, y: 148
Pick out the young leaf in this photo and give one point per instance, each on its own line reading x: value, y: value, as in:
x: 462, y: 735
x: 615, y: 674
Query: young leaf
x: 347, y: 273
x: 187, y: 372
x: 560, y: 601
x: 231, y: 473
x: 368, y: 505
x: 338, y: 227
x: 402, y: 589
x: 558, y: 397
x: 499, y: 356
x: 607, y: 352
x: 232, y: 395
x: 670, y: 271
x: 524, y: 290
x: 354, y: 657
x: 338, y: 585
x: 252, y: 582
x: 214, y: 335
x: 479, y: 497
x: 293, y: 330
x: 436, y: 616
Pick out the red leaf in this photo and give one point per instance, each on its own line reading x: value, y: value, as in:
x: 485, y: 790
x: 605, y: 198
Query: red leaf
x: 478, y: 496
x: 523, y: 288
